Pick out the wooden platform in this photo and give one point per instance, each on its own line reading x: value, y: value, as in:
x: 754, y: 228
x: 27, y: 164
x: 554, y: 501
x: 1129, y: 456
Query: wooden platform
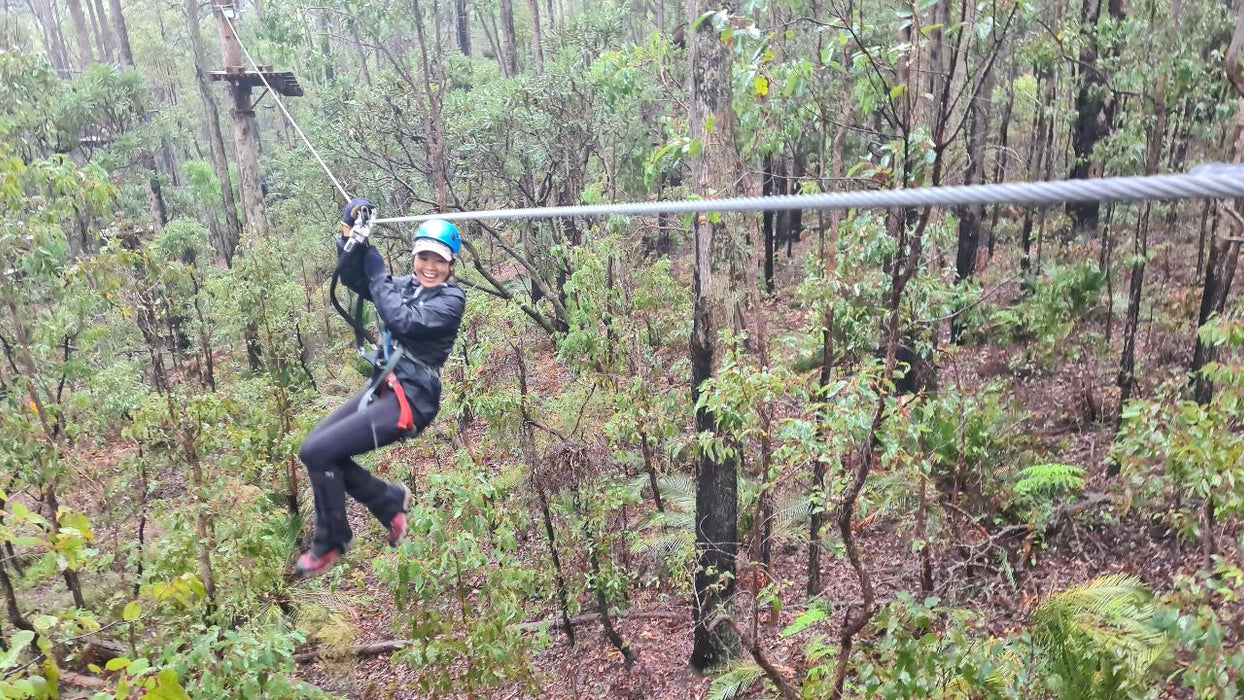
x: 283, y: 82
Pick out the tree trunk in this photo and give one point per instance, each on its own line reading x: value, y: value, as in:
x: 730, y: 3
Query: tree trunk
x: 462, y: 24
x: 974, y: 174
x: 712, y: 175
x: 1223, y: 252
x: 246, y: 144
x: 509, y: 38
x: 220, y: 164
x: 122, y: 32
x: 53, y: 43
x: 537, y: 37
x: 82, y: 34
x: 768, y: 223
x: 1094, y: 112
x: 106, y: 47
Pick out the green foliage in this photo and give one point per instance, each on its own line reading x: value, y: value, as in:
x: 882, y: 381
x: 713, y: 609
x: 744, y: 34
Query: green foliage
x: 1042, y: 487
x: 1045, y: 316
x: 459, y: 584
x: 735, y: 682
x: 1179, y: 454
x: 1098, y: 638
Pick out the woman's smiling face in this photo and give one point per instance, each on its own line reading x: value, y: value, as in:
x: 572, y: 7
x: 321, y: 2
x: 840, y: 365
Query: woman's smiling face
x: 431, y: 269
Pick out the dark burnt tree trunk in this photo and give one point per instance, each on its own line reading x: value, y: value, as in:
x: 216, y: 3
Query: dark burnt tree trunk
x: 1224, y: 252
x: 769, y: 220
x: 712, y: 174
x: 462, y: 26
x: 1094, y: 109
x: 971, y: 217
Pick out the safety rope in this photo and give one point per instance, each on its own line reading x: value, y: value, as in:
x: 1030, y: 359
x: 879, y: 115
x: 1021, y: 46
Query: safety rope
x: 1218, y: 181
x: 280, y: 105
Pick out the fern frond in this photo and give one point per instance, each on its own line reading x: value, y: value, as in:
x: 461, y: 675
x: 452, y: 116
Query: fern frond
x: 1104, y: 623
x: 669, y: 544
x: 678, y: 492
x: 734, y: 682
x: 1048, y: 481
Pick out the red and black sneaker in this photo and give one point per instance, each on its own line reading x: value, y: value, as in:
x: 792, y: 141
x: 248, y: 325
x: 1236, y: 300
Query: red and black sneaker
x: 397, y: 526
x: 309, y: 564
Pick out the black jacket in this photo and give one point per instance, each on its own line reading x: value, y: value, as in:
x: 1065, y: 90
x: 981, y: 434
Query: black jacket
x: 424, y: 321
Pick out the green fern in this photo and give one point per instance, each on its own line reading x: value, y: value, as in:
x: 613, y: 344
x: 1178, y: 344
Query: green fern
x: 734, y: 682
x: 1097, y: 638
x: 1044, y: 483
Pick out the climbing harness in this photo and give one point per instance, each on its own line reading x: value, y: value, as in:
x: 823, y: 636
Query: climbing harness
x: 386, y: 352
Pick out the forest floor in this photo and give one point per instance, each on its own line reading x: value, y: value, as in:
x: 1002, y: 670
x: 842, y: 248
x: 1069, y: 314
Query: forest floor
x: 1069, y: 417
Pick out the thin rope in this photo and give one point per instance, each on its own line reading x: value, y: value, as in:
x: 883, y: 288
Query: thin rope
x: 277, y: 97
x: 1216, y: 181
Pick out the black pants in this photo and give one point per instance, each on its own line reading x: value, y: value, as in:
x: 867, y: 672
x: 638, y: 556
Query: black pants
x: 327, y: 452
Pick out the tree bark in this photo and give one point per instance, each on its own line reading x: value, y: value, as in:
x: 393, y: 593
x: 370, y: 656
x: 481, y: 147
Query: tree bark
x: 106, y: 47
x: 53, y: 43
x: 122, y: 32
x: 509, y: 38
x: 216, y: 141
x: 1223, y: 252
x: 1094, y: 112
x: 712, y: 175
x: 82, y: 34
x: 537, y: 37
x: 462, y: 25
x: 245, y: 140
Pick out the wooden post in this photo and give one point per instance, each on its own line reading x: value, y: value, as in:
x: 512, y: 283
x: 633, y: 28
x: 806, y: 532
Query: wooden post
x: 244, y: 126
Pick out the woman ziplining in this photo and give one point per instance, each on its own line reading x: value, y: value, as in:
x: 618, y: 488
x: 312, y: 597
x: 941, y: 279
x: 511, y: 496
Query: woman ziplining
x: 420, y: 315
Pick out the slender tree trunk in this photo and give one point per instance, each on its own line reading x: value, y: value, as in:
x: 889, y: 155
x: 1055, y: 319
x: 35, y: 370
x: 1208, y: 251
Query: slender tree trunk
x: 81, y: 33
x: 216, y: 141
x: 106, y: 47
x: 245, y: 139
x: 462, y: 23
x: 830, y: 256
x: 1224, y: 252
x: 1004, y: 154
x: 509, y: 38
x: 537, y: 37
x: 122, y: 33
x: 712, y: 174
x: 53, y: 43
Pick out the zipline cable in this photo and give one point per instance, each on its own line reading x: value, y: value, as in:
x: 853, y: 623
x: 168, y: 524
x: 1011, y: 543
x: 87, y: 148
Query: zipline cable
x: 1215, y: 181
x: 277, y: 98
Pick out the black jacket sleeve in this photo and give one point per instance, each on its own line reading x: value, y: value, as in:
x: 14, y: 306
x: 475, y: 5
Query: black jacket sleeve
x: 351, y: 265
x: 436, y: 317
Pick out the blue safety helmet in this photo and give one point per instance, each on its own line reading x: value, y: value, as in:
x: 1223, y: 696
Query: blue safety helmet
x: 442, y: 232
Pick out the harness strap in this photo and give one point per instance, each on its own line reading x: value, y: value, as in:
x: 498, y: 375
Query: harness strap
x: 385, y: 372
x: 405, y: 419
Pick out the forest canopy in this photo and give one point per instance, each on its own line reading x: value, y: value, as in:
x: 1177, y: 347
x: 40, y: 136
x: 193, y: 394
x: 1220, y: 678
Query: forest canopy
x: 953, y: 452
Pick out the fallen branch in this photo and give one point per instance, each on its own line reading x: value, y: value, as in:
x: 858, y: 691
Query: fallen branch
x: 391, y: 645
x: 374, y: 649
x: 587, y: 618
x: 79, y: 680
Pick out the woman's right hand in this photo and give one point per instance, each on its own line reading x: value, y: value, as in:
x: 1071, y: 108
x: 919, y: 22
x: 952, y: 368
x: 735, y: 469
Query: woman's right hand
x: 351, y: 212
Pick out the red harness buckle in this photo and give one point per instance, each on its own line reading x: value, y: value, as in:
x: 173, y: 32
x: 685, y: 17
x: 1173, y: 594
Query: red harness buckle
x: 405, y: 419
